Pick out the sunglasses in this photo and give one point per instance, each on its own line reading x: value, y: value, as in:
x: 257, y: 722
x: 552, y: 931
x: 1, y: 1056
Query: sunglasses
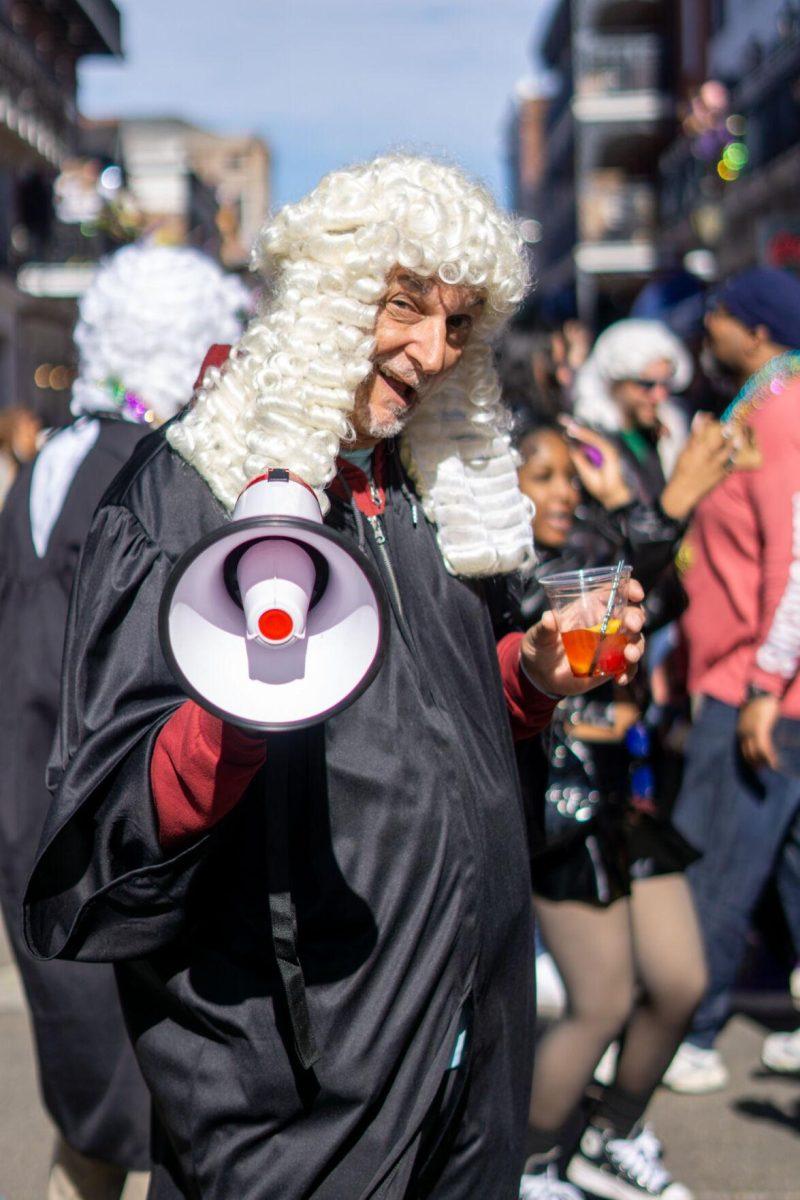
x: 649, y: 384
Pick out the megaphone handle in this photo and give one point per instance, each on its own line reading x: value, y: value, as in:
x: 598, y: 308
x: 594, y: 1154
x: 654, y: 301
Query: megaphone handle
x: 283, y: 923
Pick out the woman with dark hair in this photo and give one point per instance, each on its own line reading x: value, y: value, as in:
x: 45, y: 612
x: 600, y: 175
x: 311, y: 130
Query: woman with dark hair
x: 609, y: 893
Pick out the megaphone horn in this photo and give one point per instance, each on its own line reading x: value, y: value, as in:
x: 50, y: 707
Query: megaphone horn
x: 274, y: 621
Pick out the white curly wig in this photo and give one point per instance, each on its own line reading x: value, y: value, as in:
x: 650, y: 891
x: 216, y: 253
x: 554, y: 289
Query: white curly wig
x: 144, y: 325
x: 624, y: 351
x: 286, y: 395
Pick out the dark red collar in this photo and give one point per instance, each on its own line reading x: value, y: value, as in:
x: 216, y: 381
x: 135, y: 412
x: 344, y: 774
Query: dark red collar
x: 369, y: 495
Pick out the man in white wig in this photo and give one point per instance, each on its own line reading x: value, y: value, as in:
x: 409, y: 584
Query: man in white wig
x: 144, y: 324
x: 375, y: 1040
x: 625, y: 388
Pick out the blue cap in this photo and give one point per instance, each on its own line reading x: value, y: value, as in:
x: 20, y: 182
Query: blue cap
x: 764, y: 296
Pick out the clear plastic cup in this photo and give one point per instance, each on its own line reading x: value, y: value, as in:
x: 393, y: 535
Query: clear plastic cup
x: 580, y: 601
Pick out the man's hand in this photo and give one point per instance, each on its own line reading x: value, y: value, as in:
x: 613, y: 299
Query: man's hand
x: 757, y: 719
x: 545, y: 661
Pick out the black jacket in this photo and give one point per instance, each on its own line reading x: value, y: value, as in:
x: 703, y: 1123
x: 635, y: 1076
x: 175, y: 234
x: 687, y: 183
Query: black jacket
x: 405, y: 857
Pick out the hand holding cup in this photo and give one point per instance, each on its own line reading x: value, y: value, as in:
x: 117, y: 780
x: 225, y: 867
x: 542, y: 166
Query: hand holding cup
x: 567, y: 652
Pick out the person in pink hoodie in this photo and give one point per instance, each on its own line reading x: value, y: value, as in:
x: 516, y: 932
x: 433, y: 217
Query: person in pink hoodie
x: 741, y: 789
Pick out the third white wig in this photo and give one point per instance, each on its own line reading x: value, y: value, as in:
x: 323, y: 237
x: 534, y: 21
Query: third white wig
x: 624, y: 351
x: 286, y: 396
x: 145, y: 323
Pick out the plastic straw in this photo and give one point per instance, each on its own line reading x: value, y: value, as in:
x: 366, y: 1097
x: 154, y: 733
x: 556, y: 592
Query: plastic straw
x: 609, y: 609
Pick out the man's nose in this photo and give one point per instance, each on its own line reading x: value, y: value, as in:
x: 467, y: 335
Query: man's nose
x: 428, y: 350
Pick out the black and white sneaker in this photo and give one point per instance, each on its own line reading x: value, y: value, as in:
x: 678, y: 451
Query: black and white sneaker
x: 623, y: 1168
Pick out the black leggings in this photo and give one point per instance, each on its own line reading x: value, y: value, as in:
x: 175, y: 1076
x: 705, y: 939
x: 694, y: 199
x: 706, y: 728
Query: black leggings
x: 634, y: 969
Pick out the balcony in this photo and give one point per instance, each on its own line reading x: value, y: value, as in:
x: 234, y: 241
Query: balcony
x: 769, y: 98
x: 35, y: 108
x: 616, y: 209
x: 620, y: 78
x: 617, y: 225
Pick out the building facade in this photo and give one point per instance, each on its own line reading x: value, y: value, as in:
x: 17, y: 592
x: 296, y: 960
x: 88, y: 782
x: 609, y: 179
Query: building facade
x: 41, y: 44
x: 736, y: 196
x: 606, y: 128
x: 189, y: 186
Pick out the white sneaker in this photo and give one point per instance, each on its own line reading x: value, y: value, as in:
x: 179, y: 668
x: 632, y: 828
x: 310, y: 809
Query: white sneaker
x: 623, y: 1168
x: 781, y: 1052
x: 547, y: 1184
x: 606, y: 1069
x: 695, y: 1071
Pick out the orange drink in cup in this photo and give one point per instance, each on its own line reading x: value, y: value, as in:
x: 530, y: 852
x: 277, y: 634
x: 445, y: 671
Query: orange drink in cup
x: 588, y: 609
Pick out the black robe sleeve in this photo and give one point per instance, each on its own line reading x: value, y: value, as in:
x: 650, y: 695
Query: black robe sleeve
x: 102, y: 889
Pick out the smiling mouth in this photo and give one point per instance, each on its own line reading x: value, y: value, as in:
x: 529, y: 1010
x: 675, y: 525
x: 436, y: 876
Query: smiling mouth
x: 405, y: 391
x: 559, y: 520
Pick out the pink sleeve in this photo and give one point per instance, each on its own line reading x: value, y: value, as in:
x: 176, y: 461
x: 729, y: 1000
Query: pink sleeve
x: 775, y: 495
x: 200, y: 769
x: 529, y: 709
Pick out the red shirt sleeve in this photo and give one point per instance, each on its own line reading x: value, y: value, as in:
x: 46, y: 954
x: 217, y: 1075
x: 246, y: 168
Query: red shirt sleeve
x: 200, y: 769
x: 529, y: 709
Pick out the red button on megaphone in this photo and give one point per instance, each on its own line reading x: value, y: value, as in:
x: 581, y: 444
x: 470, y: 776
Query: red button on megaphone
x: 274, y: 621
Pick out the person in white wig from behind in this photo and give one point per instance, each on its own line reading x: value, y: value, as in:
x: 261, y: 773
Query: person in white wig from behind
x: 626, y: 383
x: 144, y: 324
x: 288, y: 394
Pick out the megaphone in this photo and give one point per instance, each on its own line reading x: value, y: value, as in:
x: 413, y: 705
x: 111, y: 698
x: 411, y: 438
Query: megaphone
x: 274, y: 621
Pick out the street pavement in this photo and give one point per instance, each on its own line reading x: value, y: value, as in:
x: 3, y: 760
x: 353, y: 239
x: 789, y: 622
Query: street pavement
x: 740, y: 1144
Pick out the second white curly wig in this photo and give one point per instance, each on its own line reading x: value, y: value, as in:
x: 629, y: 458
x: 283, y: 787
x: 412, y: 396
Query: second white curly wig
x: 286, y: 395
x: 146, y: 320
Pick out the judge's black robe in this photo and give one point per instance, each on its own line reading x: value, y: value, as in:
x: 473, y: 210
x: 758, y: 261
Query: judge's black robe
x: 406, y: 859
x: 90, y: 1081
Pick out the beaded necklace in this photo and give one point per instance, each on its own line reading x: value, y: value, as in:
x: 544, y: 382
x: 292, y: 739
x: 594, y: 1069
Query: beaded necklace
x: 770, y: 381
x: 129, y: 401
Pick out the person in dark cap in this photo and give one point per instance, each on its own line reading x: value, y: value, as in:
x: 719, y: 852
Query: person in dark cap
x: 762, y: 305
x: 741, y: 789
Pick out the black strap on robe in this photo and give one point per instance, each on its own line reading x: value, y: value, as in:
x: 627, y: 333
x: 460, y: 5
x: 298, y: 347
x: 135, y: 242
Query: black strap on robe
x: 283, y: 922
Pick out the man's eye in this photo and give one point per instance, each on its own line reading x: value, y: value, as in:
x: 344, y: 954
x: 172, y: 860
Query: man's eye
x: 460, y: 322
x: 399, y: 302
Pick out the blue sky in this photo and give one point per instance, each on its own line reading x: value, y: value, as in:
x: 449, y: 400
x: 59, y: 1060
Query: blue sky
x: 326, y: 82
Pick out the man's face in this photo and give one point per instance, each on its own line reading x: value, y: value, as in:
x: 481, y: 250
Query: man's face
x: 728, y: 339
x: 422, y: 328
x: 640, y: 398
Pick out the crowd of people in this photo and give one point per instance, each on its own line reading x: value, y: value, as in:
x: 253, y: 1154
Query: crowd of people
x: 645, y: 892
x: 322, y: 940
